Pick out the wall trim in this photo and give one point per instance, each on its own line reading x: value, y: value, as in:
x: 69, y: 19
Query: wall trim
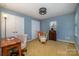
x: 57, y: 40
x: 64, y: 41
x: 30, y: 40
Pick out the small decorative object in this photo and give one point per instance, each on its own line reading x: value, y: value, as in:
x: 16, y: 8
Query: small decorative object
x: 52, y: 29
x: 53, y: 25
x: 42, y: 11
x: 11, y: 38
x: 8, y: 39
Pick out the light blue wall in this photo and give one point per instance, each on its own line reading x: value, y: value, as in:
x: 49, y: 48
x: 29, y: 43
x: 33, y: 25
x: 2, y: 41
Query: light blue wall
x: 44, y: 25
x: 77, y: 25
x: 27, y: 20
x: 27, y: 26
x: 65, y: 26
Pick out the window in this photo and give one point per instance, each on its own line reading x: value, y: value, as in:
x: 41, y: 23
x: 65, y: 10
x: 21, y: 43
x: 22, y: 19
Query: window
x: 53, y: 25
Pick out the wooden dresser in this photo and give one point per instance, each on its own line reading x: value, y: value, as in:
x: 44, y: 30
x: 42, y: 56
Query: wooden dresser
x: 6, y: 45
x: 52, y: 35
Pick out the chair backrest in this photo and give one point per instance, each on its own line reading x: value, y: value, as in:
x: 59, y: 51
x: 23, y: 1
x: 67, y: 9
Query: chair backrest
x: 40, y: 33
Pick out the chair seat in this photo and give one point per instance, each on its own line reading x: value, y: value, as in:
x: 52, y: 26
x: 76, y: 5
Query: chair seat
x: 42, y: 39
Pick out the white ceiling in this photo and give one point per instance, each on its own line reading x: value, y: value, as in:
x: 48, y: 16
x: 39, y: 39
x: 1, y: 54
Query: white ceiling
x: 32, y: 9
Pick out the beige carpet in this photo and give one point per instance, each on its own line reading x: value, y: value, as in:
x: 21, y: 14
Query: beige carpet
x: 50, y: 48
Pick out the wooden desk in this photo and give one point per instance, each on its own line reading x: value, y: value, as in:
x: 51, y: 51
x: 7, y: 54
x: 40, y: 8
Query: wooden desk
x: 7, y: 44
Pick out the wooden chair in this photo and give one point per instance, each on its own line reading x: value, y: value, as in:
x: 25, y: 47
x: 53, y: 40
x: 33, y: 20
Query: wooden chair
x: 42, y: 36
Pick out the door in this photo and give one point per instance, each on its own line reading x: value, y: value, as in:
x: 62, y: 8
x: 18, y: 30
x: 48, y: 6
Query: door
x: 35, y: 28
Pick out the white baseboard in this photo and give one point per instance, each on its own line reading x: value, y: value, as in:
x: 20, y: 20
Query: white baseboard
x: 57, y: 40
x: 65, y: 41
x: 30, y: 40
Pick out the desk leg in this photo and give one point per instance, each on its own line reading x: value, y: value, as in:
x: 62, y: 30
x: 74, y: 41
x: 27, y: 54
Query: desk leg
x: 20, y: 49
x: 4, y: 51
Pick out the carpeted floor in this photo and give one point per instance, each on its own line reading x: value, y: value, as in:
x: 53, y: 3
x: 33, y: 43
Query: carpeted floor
x: 50, y: 48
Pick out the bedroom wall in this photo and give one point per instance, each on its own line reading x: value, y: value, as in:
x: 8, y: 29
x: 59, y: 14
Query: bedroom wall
x: 27, y: 20
x: 77, y: 26
x: 65, y: 26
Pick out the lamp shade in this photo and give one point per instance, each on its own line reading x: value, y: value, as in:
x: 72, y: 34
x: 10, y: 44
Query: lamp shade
x: 4, y: 15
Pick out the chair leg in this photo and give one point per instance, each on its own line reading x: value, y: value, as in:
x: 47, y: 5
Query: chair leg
x: 22, y: 51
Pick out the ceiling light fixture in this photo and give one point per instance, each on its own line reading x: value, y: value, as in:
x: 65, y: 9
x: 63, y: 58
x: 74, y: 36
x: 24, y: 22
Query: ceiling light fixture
x: 42, y: 11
